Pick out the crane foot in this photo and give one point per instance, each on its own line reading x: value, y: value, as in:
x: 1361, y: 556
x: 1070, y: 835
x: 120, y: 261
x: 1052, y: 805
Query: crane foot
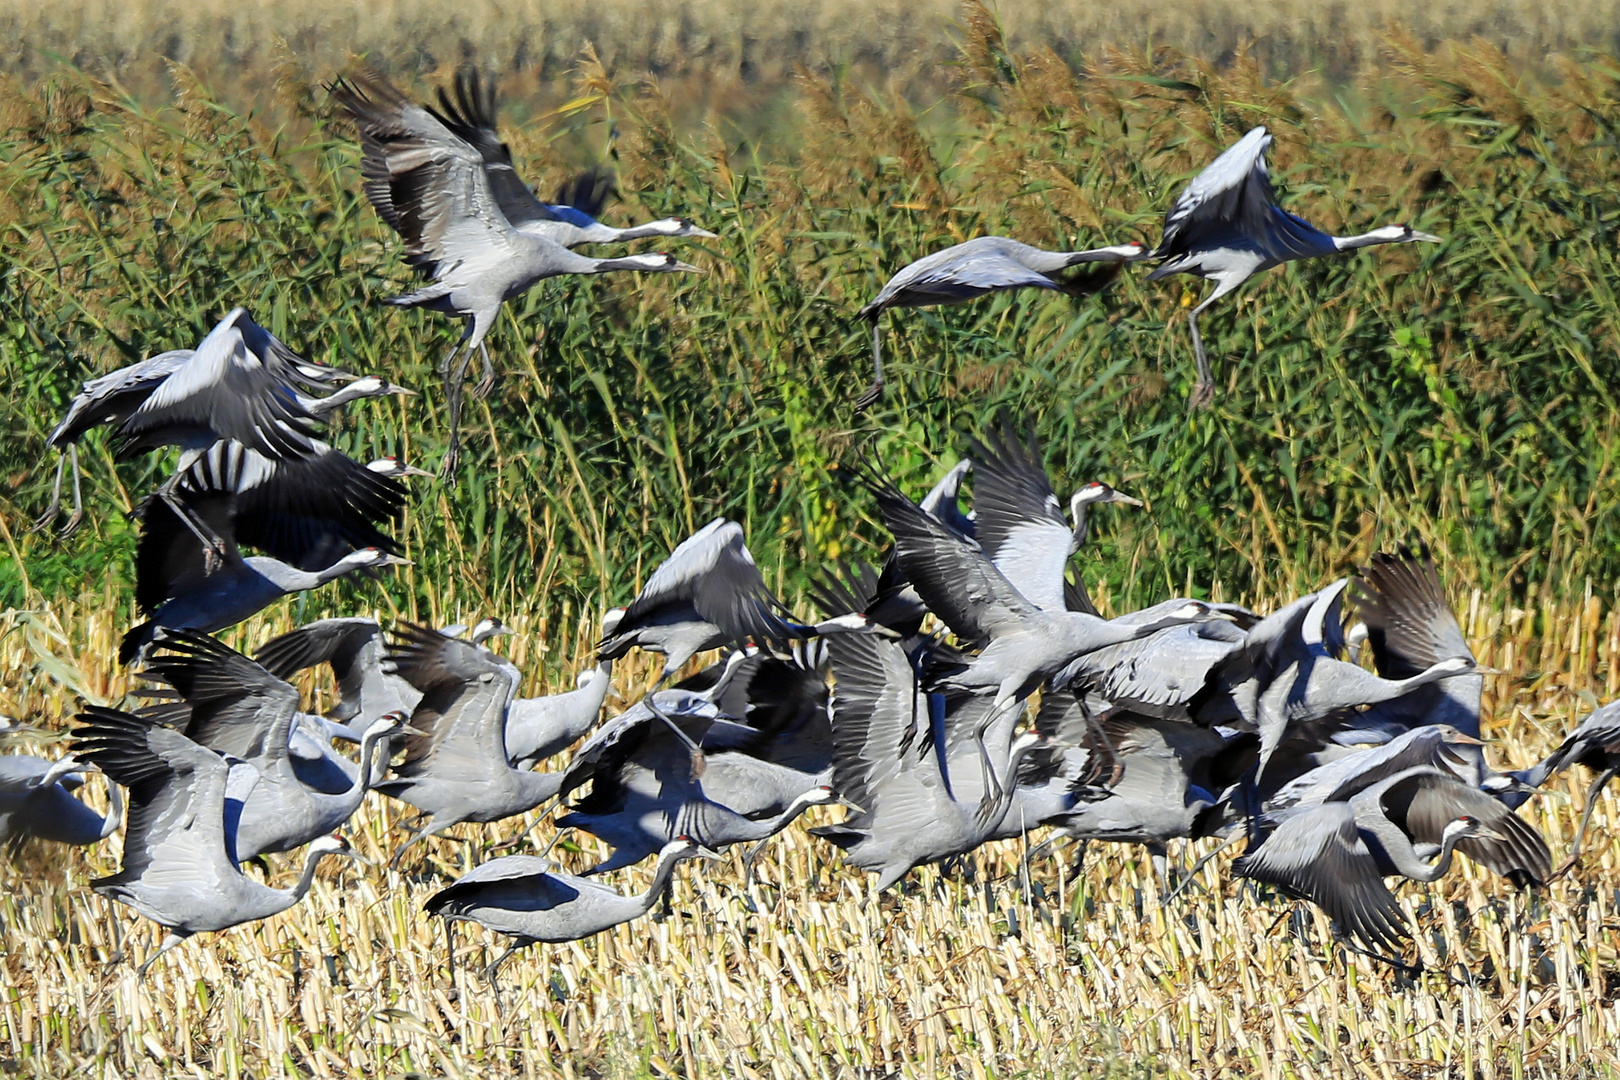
x: 872, y: 396
x: 1203, y: 396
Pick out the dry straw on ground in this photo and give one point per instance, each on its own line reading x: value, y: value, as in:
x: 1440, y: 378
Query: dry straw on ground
x: 802, y: 974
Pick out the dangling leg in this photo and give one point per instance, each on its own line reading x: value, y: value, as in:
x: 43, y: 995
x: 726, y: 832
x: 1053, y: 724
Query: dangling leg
x: 450, y: 951
x: 1592, y: 794
x: 487, y: 383
x: 78, y: 497
x: 430, y: 829
x: 494, y: 968
x: 170, y: 940
x: 1199, y: 865
x: 874, y: 393
x: 56, y: 496
x: 453, y: 388
x: 1204, y: 389
x: 213, y: 547
x: 699, y: 762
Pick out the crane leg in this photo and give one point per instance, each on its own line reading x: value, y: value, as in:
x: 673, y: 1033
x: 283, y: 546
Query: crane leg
x: 56, y: 496
x: 699, y: 762
x: 78, y: 496
x: 487, y: 382
x: 213, y: 546
x: 430, y: 829
x: 454, y: 381
x: 1204, y: 389
x: 494, y: 968
x: 170, y: 940
x: 1592, y: 794
x: 874, y: 393
x: 1199, y: 865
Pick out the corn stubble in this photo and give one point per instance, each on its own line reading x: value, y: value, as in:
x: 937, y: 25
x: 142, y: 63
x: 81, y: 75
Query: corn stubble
x: 800, y: 975
x: 1469, y: 402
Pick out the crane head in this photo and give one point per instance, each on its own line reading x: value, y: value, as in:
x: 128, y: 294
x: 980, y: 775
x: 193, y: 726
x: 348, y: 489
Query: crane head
x: 394, y: 469
x: 1098, y: 492
x: 684, y: 847
x: 1403, y: 234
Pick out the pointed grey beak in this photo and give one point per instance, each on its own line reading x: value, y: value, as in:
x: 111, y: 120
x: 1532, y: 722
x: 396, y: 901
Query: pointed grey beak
x: 1428, y: 238
x: 395, y: 560
x: 1121, y: 497
x: 412, y: 470
x: 707, y: 853
x: 402, y: 391
x: 704, y: 233
x: 689, y: 268
x: 855, y: 806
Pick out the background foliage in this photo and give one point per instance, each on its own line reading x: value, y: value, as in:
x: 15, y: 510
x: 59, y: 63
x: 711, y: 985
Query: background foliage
x: 1461, y: 392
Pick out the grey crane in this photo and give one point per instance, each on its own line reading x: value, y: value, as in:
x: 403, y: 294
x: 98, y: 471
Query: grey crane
x: 235, y: 707
x: 1018, y: 521
x: 176, y: 588
x: 644, y: 791
x: 911, y: 762
x: 1167, y: 780
x: 983, y: 265
x: 430, y: 185
x: 1434, y: 746
x: 1411, y: 627
x: 113, y: 398
x: 571, y: 220
x: 1337, y: 853
x: 240, y: 383
x: 529, y: 900
x: 36, y: 801
x: 1226, y: 226
x: 456, y: 767
x: 707, y: 594
x: 180, y: 868
x: 1023, y: 645
x: 1595, y: 743
x: 1289, y: 673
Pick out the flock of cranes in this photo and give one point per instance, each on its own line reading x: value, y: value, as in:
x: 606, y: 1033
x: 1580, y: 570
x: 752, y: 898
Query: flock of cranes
x: 907, y: 702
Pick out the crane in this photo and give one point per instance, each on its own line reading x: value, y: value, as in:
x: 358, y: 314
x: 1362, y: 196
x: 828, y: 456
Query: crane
x: 980, y: 266
x: 430, y: 185
x: 180, y: 867
x: 1226, y: 226
x: 36, y: 801
x: 529, y: 900
x: 1337, y: 853
x: 176, y: 588
x: 233, y: 706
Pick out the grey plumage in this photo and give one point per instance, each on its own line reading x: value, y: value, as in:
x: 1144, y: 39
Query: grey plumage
x: 975, y: 268
x: 430, y: 184
x: 179, y: 866
x: 36, y: 801
x: 530, y: 900
x: 1226, y: 226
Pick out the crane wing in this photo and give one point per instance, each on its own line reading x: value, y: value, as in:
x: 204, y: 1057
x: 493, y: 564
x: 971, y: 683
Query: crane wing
x: 878, y: 711
x: 1018, y: 520
x: 1232, y: 195
x: 462, y: 714
x: 111, y: 398
x: 236, y: 706
x: 176, y: 822
x: 1410, y: 624
x: 470, y: 116
x: 231, y: 390
x: 426, y: 181
x: 1318, y: 855
x: 308, y: 512
x: 949, y: 571
x: 713, y: 571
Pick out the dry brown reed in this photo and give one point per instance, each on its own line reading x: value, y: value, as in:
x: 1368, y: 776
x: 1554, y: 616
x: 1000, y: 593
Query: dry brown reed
x: 802, y: 973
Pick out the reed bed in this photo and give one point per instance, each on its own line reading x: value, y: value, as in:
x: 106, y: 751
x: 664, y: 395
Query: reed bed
x: 802, y: 973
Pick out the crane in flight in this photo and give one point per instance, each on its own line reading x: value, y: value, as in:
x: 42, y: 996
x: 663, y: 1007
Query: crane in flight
x: 1226, y: 226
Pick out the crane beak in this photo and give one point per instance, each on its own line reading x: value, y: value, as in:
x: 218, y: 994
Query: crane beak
x: 702, y: 852
x: 1488, y: 833
x: 403, y: 391
x: 395, y: 560
x: 855, y: 806
x: 703, y: 233
x: 1466, y: 740
x: 689, y: 268
x: 1427, y: 238
x: 1121, y: 497
x: 412, y: 470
